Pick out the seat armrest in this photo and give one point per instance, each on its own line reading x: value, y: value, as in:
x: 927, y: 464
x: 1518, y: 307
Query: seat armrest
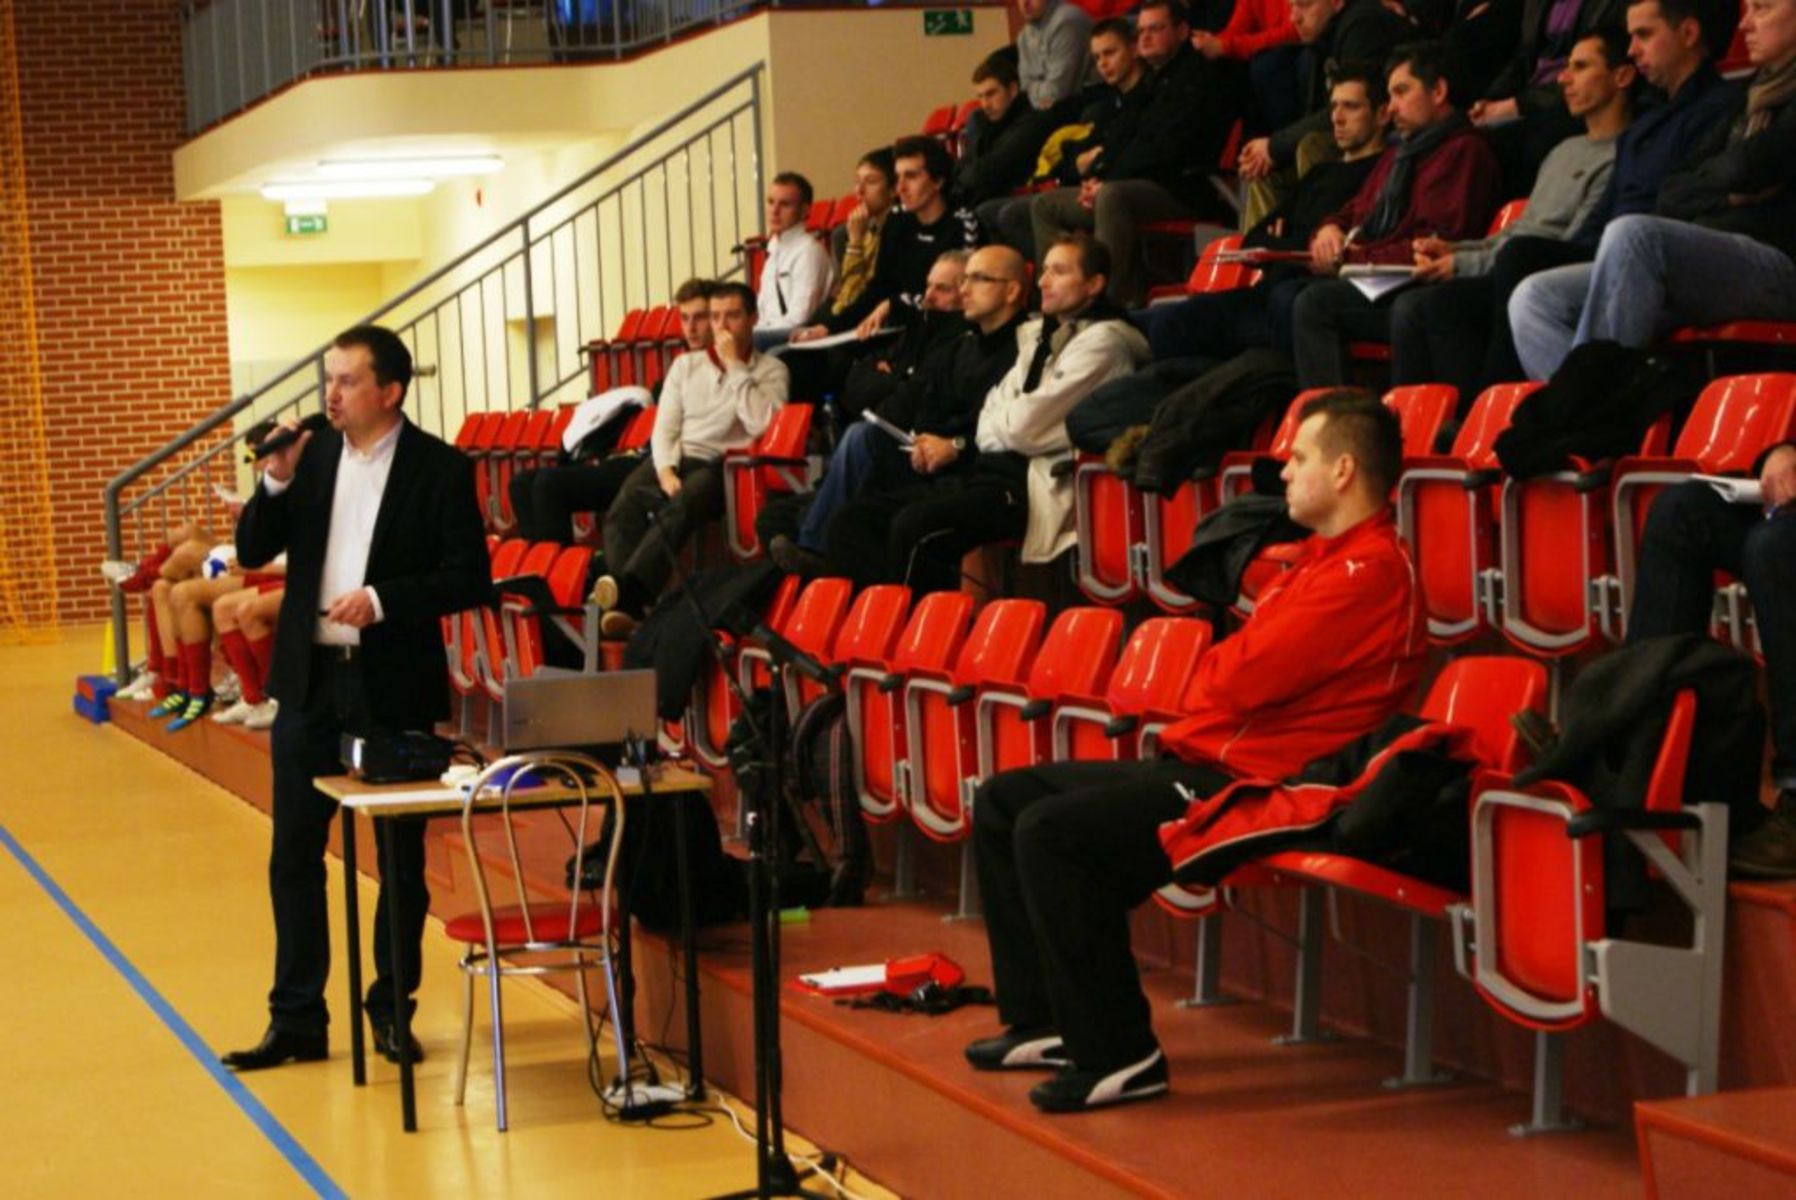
x: 891, y: 682
x: 961, y: 695
x: 1035, y: 710
x: 1594, y: 478
x: 1121, y: 726
x: 1609, y: 820
x: 1483, y: 477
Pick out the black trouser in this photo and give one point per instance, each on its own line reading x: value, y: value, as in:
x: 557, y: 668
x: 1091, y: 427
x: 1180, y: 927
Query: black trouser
x: 918, y: 535
x: 1690, y: 534
x: 640, y: 551
x: 1064, y: 853
x: 304, y: 746
x: 1458, y: 332
x: 1326, y: 317
x: 545, y: 500
x: 1118, y: 406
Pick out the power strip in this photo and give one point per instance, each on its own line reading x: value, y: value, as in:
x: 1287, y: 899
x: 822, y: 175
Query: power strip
x: 636, y: 1101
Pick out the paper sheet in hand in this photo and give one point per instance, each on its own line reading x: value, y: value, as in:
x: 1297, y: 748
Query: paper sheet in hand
x: 1735, y: 491
x: 903, y: 437
x: 836, y: 339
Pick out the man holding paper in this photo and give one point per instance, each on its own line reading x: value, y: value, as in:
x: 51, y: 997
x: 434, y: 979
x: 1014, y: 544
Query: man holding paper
x: 1439, y: 180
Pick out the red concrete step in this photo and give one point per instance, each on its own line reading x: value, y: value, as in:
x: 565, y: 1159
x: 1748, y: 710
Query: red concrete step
x: 1741, y: 1145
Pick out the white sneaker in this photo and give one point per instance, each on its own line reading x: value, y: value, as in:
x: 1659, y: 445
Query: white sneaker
x: 235, y: 714
x: 141, y: 687
x: 229, y: 689
x: 261, y: 716
x: 116, y: 572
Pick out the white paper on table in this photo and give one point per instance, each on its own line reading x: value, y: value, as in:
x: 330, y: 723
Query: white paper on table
x: 843, y: 978
x: 1376, y: 280
x: 1735, y: 491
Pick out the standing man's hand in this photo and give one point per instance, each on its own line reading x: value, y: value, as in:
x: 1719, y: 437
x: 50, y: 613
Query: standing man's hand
x: 282, y: 463
x: 354, y: 609
x: 669, y: 480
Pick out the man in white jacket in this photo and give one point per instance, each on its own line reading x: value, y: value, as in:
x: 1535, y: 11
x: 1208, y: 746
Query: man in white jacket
x: 1001, y: 486
x: 712, y: 401
x: 799, y: 273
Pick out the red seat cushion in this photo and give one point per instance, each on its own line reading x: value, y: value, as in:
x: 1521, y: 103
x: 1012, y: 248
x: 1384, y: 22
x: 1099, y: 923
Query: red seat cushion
x: 549, y: 920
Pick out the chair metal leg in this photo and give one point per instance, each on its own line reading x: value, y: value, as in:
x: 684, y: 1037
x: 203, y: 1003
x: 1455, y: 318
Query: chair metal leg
x: 467, y: 1039
x: 582, y: 966
x: 498, y: 1045
x: 1206, y: 990
x: 1549, y: 1086
x: 970, y: 907
x: 904, y: 867
x: 1418, y: 1041
x: 1306, y: 1002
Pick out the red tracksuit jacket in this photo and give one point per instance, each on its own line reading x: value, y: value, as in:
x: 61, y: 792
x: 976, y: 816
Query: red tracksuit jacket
x: 1334, y: 647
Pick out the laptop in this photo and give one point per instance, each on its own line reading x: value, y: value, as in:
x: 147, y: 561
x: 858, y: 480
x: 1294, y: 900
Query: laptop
x: 565, y: 710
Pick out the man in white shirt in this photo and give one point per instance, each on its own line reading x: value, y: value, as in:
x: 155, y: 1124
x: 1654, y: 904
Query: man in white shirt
x: 799, y: 272
x: 712, y: 401
x: 383, y: 537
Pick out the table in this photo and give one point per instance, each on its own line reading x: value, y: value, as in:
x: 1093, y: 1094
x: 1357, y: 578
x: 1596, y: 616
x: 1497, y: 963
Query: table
x: 424, y: 800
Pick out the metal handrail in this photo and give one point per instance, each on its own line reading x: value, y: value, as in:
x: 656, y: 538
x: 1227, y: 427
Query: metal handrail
x: 236, y: 52
x: 568, y: 268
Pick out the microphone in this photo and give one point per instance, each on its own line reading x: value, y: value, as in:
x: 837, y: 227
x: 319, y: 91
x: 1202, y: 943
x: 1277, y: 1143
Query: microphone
x: 286, y: 437
x: 792, y: 656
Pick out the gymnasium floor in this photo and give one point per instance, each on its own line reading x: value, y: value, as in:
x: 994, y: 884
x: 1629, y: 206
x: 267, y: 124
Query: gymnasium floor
x: 138, y: 945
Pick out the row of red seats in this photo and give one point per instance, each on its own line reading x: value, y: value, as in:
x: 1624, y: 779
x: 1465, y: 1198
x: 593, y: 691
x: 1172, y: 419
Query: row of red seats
x: 1548, y: 562
x: 941, y: 696
x: 500, y: 444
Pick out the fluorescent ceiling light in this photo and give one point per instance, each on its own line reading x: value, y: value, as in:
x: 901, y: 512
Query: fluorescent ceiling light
x: 410, y: 168
x: 344, y: 189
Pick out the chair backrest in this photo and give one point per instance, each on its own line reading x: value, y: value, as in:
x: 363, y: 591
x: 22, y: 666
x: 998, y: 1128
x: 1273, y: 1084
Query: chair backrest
x: 1736, y: 418
x: 1212, y: 276
x: 1506, y: 216
x: 1150, y: 676
x: 963, y: 114
x: 1476, y: 441
x: 1482, y: 693
x: 843, y: 207
x: 1285, y: 435
x: 641, y: 428
x: 872, y: 625
x: 500, y: 880
x: 1078, y: 654
x: 811, y: 626
x: 784, y: 437
x: 933, y: 635
x: 785, y: 598
x: 1003, y: 638
x: 817, y: 217
x: 1421, y: 410
x: 940, y: 121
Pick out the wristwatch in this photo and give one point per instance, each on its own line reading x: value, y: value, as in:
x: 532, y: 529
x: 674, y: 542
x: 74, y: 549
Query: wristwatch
x: 959, y: 444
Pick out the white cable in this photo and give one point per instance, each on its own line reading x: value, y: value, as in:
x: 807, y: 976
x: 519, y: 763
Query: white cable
x: 813, y: 1165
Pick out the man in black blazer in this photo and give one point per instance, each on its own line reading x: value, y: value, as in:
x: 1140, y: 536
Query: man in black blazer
x: 383, y: 536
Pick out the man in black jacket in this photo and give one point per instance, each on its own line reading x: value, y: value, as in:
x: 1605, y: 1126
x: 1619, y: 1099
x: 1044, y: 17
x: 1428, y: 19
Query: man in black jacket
x: 383, y: 536
x: 939, y: 403
x: 1160, y: 169
x: 1001, y: 141
x: 1335, y: 33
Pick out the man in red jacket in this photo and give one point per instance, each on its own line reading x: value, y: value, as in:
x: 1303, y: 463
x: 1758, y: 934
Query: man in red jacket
x: 1064, y: 851
x: 1440, y: 180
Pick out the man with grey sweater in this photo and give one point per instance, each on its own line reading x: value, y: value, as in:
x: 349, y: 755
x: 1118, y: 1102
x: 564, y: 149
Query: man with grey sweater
x: 1456, y: 330
x: 1052, y: 57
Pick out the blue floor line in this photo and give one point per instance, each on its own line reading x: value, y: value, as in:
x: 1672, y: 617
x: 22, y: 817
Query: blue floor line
x: 272, y: 1129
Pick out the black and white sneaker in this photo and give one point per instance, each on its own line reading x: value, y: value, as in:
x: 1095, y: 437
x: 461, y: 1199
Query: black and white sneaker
x: 1019, y: 1050
x: 1073, y: 1090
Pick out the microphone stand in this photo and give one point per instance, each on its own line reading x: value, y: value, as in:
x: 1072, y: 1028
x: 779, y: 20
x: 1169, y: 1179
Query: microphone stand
x: 774, y: 1173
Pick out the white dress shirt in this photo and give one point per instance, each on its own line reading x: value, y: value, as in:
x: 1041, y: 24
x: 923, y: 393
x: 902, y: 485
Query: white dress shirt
x: 361, y: 482
x: 795, y: 280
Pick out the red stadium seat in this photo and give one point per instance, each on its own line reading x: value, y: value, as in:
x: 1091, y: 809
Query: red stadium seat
x: 1209, y: 275
x: 843, y: 209
x: 940, y: 122
x: 714, y: 708
x: 775, y: 463
x: 464, y: 631
x: 475, y: 439
x: 1107, y: 514
x: 931, y: 639
x: 496, y: 663
x: 612, y: 362
x: 1446, y: 511
x: 1151, y: 676
x: 1532, y: 938
x: 811, y: 626
x: 648, y: 348
x: 1011, y: 722
x: 938, y: 702
x: 522, y: 620
x: 501, y: 461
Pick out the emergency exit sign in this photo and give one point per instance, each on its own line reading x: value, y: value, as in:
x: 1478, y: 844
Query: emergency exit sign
x: 947, y: 22
x: 307, y: 226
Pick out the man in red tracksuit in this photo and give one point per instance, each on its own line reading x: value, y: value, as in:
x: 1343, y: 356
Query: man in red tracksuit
x: 1064, y: 851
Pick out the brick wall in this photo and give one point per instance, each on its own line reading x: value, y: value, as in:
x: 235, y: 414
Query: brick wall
x: 129, y: 285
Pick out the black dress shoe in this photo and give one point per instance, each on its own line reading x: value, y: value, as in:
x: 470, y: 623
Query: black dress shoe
x: 279, y: 1046
x: 388, y: 1047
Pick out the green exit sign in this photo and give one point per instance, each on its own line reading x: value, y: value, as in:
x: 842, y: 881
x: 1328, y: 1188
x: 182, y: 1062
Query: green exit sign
x: 947, y: 22
x: 307, y: 226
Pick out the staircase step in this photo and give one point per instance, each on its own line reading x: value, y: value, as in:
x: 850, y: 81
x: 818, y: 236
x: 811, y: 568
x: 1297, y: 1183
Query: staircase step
x: 1741, y: 1145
